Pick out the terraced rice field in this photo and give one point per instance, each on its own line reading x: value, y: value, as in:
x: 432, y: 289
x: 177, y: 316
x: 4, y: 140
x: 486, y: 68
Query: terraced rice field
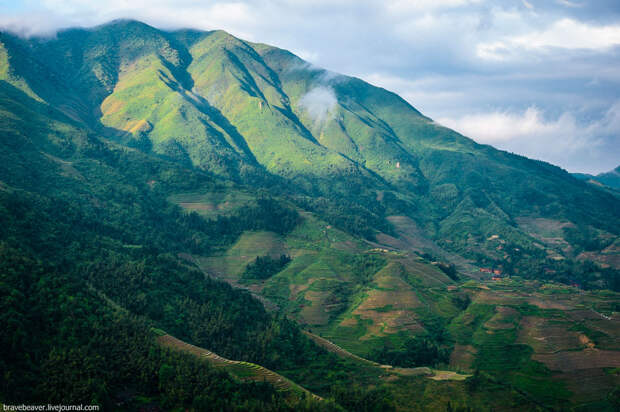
x: 242, y: 370
x: 212, y: 204
x: 412, y: 238
x: 392, y: 370
x: 548, y: 336
x: 462, y: 357
x: 537, y: 339
x: 333, y: 348
x: 229, y: 265
x: 389, y: 305
x: 550, y: 341
x: 589, y: 358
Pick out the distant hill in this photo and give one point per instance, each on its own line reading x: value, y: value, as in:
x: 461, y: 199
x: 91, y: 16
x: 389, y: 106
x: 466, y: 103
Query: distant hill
x: 610, y: 179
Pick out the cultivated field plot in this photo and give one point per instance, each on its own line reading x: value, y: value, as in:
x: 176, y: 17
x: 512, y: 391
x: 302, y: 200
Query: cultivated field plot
x: 412, y: 238
x: 462, y: 357
x: 589, y: 358
x: 549, y: 335
x: 543, y: 339
x: 535, y: 338
x: 548, y: 231
x: 610, y: 256
x: 433, y: 374
x: 388, y: 304
x: 230, y: 264
x: 212, y: 204
x: 590, y: 386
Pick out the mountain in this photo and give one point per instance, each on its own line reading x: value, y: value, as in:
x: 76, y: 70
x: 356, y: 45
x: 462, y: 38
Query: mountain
x: 257, y: 114
x: 145, y: 172
x: 611, y: 179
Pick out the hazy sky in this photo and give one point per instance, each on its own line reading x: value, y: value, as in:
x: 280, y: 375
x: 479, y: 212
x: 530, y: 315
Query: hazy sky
x: 536, y: 77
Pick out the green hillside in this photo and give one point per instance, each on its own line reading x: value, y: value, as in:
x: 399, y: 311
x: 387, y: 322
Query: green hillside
x: 257, y: 207
x: 610, y: 179
x: 257, y: 114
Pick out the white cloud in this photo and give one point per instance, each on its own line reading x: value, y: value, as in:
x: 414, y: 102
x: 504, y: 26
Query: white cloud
x: 497, y: 50
x: 562, y: 140
x: 400, y: 6
x: 562, y: 34
x: 239, y: 17
x: 318, y: 102
x: 307, y: 55
x: 571, y: 34
x: 568, y: 3
x: 497, y: 126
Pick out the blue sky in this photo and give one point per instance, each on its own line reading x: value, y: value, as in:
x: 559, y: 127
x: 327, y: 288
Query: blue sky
x: 535, y: 77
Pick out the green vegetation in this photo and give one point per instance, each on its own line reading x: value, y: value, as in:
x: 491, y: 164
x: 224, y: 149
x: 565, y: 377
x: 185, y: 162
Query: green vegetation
x: 610, y: 179
x: 157, y: 181
x: 416, y: 352
x: 77, y: 347
x: 265, y: 267
x: 236, y: 109
x: 110, y: 272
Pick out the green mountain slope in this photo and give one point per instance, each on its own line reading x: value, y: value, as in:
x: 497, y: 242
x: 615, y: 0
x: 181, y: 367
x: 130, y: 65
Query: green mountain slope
x: 252, y: 112
x: 611, y: 179
x: 91, y: 262
x: 214, y: 100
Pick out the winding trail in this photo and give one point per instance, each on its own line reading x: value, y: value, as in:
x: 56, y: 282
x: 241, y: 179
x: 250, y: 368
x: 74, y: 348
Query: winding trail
x: 419, y: 371
x: 245, y: 371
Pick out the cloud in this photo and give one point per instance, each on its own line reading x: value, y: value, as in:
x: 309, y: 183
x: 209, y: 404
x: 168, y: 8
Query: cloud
x: 571, y: 34
x: 319, y: 102
x: 568, y: 3
x: 400, y: 6
x: 496, y: 127
x: 308, y: 55
x: 562, y: 34
x: 562, y: 140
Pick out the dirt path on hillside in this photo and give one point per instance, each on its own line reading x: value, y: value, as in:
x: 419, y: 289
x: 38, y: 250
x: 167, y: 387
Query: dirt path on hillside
x: 241, y: 370
x: 419, y: 371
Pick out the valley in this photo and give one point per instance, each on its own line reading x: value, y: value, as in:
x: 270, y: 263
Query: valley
x: 549, y: 342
